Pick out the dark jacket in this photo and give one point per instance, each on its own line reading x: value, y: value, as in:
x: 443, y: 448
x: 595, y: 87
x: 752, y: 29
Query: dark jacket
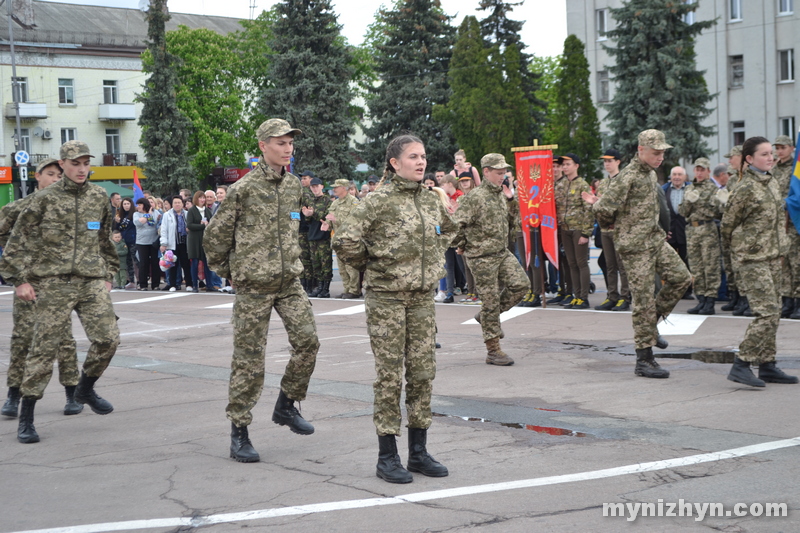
x: 194, y: 238
x: 677, y: 226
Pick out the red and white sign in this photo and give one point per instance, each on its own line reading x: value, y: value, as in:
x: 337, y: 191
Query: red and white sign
x: 234, y: 174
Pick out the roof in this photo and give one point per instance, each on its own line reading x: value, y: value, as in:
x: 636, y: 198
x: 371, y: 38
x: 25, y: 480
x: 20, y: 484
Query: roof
x: 112, y: 187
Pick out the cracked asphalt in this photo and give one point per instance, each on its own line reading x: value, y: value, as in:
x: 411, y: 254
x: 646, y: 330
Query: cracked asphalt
x: 570, y: 404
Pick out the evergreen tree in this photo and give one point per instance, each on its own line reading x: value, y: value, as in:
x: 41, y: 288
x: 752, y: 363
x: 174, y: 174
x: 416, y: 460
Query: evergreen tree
x: 656, y: 81
x: 165, y: 129
x: 574, y: 123
x: 412, y: 55
x: 309, y: 85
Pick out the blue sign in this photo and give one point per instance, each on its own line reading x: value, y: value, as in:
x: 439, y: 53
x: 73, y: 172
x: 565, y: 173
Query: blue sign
x: 22, y: 157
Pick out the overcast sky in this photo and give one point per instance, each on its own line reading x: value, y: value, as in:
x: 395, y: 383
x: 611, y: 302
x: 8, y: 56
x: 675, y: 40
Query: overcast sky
x: 355, y: 15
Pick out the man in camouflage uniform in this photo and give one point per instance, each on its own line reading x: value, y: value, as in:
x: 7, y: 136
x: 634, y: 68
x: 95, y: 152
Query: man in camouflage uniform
x: 484, y: 217
x: 306, y: 279
x: 338, y: 212
x: 790, y: 272
x: 319, y: 241
x: 738, y: 303
x: 630, y: 204
x: 700, y: 208
x: 252, y: 240
x: 60, y: 254
x: 24, y: 313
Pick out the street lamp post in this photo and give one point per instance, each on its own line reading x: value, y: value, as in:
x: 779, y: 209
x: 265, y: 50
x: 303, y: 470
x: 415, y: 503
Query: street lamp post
x: 15, y: 92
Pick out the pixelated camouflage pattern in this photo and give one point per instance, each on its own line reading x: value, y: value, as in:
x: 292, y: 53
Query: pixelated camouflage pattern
x: 341, y: 209
x: 497, y: 161
x: 790, y: 272
x: 251, y: 315
x: 736, y: 150
x: 703, y: 253
x: 484, y: 217
x: 653, y: 139
x: 705, y: 208
x: 760, y: 280
x: 321, y: 204
x: 252, y: 238
x: 784, y: 140
x: 275, y: 127
x: 702, y: 162
x: 572, y: 211
x: 501, y: 283
x: 321, y: 260
x: 402, y: 329
x: 74, y: 150
x: 9, y: 215
x: 782, y: 172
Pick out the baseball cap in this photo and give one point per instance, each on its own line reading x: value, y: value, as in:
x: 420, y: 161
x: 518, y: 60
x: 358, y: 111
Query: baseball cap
x: 43, y: 164
x: 784, y: 140
x: 702, y: 162
x: 736, y: 150
x: 611, y: 154
x: 497, y: 161
x: 653, y: 139
x: 275, y: 127
x: 307, y: 173
x: 341, y: 183
x: 573, y: 157
x: 74, y: 150
x: 316, y: 181
x: 558, y: 159
x: 372, y: 179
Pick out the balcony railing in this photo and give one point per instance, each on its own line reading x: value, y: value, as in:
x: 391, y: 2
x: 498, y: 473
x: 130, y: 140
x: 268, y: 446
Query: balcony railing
x: 27, y: 110
x: 117, y: 112
x: 119, y: 160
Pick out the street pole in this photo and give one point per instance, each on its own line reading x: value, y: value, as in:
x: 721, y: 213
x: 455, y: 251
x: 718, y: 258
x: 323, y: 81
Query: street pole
x: 15, y: 93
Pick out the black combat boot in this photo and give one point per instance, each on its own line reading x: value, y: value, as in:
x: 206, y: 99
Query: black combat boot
x: 770, y: 373
x: 11, y: 406
x: 419, y: 460
x: 788, y: 307
x: 646, y: 365
x: 741, y: 373
x: 708, y: 307
x: 741, y: 305
x: 242, y: 450
x: 326, y: 289
x: 661, y: 342
x: 72, y: 407
x: 26, y: 433
x: 731, y: 305
x: 85, y: 394
x: 286, y: 414
x: 389, y: 466
x: 701, y: 302
x: 748, y: 311
x: 796, y: 314
x: 316, y: 290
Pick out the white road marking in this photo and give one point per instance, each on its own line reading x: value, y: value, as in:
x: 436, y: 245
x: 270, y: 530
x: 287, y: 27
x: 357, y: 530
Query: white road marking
x: 347, y: 311
x: 676, y: 324
x: 228, y: 305
x: 514, y: 312
x: 173, y: 328
x: 155, y: 298
x: 7, y: 293
x: 314, y: 508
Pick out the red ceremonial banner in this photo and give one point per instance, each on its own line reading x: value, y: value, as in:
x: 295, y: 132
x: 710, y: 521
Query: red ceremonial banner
x: 537, y: 204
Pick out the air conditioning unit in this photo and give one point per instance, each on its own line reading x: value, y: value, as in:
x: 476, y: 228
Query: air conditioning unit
x: 47, y: 135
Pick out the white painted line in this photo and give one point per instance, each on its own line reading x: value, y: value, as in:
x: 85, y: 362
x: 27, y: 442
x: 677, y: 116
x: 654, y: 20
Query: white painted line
x: 514, y: 312
x: 354, y: 310
x: 681, y: 324
x: 315, y: 508
x: 173, y: 328
x: 7, y: 293
x: 228, y: 305
x: 155, y: 298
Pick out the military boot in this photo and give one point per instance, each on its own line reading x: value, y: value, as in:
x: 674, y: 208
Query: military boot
x: 748, y: 311
x: 661, y: 342
x: 11, y: 406
x: 477, y: 318
x: 796, y: 314
x: 788, y: 307
x: 708, y: 307
x: 85, y: 394
x: 316, y: 290
x: 72, y: 407
x: 741, y: 305
x: 701, y: 302
x: 496, y: 356
x: 741, y: 373
x: 646, y: 365
x: 770, y: 373
x: 389, y: 466
x: 326, y: 290
x: 26, y: 433
x: 242, y: 450
x: 419, y: 460
x: 286, y: 414
x: 731, y: 305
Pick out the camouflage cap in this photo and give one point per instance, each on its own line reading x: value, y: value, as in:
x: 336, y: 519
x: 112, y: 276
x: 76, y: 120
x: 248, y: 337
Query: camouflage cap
x: 784, y: 140
x: 341, y: 183
x: 494, y: 161
x: 275, y: 127
x: 74, y: 150
x: 653, y: 139
x: 702, y: 162
x: 43, y: 164
x: 736, y: 150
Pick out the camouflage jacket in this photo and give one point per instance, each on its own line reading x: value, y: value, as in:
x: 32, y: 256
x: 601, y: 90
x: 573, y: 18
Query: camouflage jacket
x: 484, y: 217
x: 630, y: 203
x: 9, y: 215
x: 573, y: 213
x: 602, y: 185
x: 64, y: 230
x: 782, y: 172
x: 253, y: 237
x: 753, y: 221
x: 398, y: 234
x: 705, y: 208
x: 321, y: 204
x: 307, y: 200
x: 341, y: 209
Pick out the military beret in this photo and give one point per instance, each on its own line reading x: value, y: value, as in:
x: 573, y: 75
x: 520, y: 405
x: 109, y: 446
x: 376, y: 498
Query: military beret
x: 702, y: 162
x: 653, y: 139
x: 275, y: 127
x: 784, y: 140
x: 497, y: 161
x: 44, y: 163
x: 74, y: 150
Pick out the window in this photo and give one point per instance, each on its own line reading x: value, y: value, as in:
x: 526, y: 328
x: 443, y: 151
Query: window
x: 24, y: 139
x: 68, y: 134
x: 786, y: 65
x: 787, y: 127
x: 602, y: 86
x: 112, y: 141
x: 689, y: 17
x: 737, y: 133
x: 22, y: 87
x: 785, y: 7
x: 66, y: 91
x: 601, y: 15
x: 735, y: 7
x: 736, y: 71
x: 109, y: 92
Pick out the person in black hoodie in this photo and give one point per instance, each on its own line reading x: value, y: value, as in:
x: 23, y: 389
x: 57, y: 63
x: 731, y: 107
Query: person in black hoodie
x: 319, y: 242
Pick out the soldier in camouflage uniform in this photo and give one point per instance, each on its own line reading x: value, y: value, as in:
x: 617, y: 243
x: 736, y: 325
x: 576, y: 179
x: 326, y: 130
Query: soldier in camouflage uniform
x: 60, y: 254
x: 319, y: 242
x: 24, y: 314
x: 338, y: 212
x: 399, y: 234
x: 752, y: 226
x: 484, y: 217
x: 630, y: 204
x: 253, y: 241
x: 305, y: 250
x: 790, y: 273
x: 738, y: 302
x: 700, y: 207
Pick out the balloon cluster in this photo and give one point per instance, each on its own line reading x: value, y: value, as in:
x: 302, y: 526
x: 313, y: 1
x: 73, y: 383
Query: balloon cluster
x: 167, y: 260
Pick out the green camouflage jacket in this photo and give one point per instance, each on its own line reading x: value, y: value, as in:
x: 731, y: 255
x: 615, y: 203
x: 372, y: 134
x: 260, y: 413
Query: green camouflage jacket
x: 782, y: 172
x: 9, y: 215
x: 484, y: 217
x: 398, y: 234
x: 63, y: 230
x: 321, y: 204
x: 252, y: 239
x: 573, y: 213
x: 341, y: 209
x: 703, y: 209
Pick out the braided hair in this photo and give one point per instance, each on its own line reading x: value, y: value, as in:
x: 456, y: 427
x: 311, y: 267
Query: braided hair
x: 394, y: 150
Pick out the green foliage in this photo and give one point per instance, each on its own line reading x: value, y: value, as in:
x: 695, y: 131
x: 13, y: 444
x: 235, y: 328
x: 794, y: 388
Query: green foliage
x: 574, y: 124
x: 165, y: 129
x: 656, y: 81
x: 549, y: 71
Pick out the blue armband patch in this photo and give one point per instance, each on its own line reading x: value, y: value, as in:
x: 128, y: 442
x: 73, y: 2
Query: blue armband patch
x: 93, y: 225
x: 438, y: 230
x: 295, y: 215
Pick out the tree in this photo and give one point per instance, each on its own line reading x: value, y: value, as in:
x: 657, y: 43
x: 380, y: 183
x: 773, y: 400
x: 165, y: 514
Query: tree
x: 412, y: 56
x: 309, y: 85
x: 165, y: 129
x: 656, y: 81
x: 574, y: 123
x: 549, y: 71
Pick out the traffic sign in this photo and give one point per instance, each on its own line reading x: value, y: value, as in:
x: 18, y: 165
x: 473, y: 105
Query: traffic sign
x: 23, y: 173
x: 22, y: 157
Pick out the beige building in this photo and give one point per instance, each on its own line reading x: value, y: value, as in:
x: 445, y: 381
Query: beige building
x: 748, y: 58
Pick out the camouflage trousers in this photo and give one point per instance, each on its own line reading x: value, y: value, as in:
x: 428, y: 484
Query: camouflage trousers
x: 790, y: 272
x: 24, y: 315
x: 251, y: 314
x: 350, y: 278
x: 305, y: 255
x: 502, y: 283
x: 702, y: 249
x: 760, y: 281
x: 730, y: 273
x: 614, y: 269
x: 642, y: 268
x: 321, y: 260
x: 56, y: 298
x: 402, y: 330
